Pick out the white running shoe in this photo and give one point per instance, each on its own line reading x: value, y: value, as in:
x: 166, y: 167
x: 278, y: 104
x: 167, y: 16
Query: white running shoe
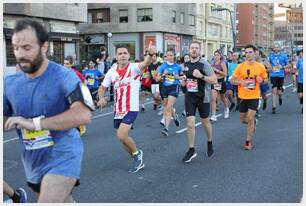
x: 162, y: 122
x: 226, y: 113
x: 213, y: 117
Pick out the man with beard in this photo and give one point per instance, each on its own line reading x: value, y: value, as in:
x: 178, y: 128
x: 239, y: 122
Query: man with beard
x: 279, y: 62
x: 45, y: 103
x: 199, y: 77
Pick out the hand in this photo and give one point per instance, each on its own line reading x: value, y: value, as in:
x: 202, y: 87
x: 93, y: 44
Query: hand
x: 20, y: 123
x: 196, y: 73
x: 183, y: 83
x: 102, y: 102
x: 165, y: 73
x: 259, y: 79
x: 151, y: 49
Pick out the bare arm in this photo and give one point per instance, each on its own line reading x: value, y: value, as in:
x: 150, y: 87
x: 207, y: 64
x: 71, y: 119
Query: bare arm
x: 210, y: 79
x: 224, y: 70
x: 148, y: 59
x: 78, y: 114
x: 235, y: 81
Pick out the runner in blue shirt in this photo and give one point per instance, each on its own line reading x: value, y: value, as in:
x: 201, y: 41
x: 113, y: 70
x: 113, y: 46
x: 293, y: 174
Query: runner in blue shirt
x: 170, y: 72
x: 278, y: 62
x: 93, y: 78
x: 42, y: 101
x: 232, y: 89
x: 299, y: 66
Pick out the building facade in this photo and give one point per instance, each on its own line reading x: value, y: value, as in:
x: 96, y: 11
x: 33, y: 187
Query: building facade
x: 213, y: 28
x: 255, y: 25
x: 60, y: 20
x: 167, y: 26
x: 289, y: 26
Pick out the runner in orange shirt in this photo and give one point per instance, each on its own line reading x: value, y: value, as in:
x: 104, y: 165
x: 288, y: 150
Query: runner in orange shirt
x: 248, y: 76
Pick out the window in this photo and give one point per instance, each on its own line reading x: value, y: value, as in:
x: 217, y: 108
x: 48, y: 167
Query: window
x: 89, y: 18
x: 123, y: 16
x: 10, y: 58
x: 173, y: 16
x: 144, y: 15
x: 182, y: 17
x: 99, y: 16
x: 191, y: 20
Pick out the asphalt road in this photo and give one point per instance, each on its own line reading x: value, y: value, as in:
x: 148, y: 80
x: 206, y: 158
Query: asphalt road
x: 271, y: 172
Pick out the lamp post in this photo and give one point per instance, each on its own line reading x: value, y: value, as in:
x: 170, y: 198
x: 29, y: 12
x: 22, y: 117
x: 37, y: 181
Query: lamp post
x: 109, y: 35
x: 232, y: 24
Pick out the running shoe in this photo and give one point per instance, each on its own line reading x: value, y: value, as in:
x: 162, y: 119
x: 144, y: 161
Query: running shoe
x: 232, y: 107
x: 189, y: 156
x: 137, y: 162
x: 257, y: 115
x: 226, y: 113
x: 142, y: 109
x: 162, y: 122
x: 280, y: 101
x: 264, y: 106
x: 273, y: 110
x: 184, y: 113
x: 248, y: 146
x: 22, y: 195
x: 294, y: 90
x: 176, y: 120
x: 213, y: 118
x: 154, y: 106
x: 210, y: 150
x: 165, y: 132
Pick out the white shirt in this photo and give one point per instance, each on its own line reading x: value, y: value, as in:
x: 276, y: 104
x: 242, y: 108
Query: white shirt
x: 126, y: 86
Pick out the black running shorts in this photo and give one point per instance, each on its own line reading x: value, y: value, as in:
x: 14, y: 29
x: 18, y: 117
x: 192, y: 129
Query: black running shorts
x: 246, y: 104
x: 191, y: 104
x: 300, y: 88
x: 277, y: 82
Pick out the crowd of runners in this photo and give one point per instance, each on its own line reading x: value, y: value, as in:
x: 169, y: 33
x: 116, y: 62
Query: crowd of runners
x: 50, y: 122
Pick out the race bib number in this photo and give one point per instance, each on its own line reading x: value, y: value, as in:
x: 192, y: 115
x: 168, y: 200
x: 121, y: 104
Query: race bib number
x: 33, y: 140
x: 192, y: 85
x: 170, y: 79
x: 276, y: 68
x: 120, y: 115
x: 249, y: 83
x: 218, y: 86
x: 91, y: 82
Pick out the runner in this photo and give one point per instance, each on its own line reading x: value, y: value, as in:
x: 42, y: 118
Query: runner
x: 299, y: 66
x: 93, y: 79
x: 16, y: 196
x: 264, y: 87
x: 279, y: 62
x: 220, y: 69
x: 125, y: 78
x: 45, y: 103
x: 293, y: 73
x: 232, y: 89
x: 184, y: 60
x: 169, y: 72
x: 248, y: 77
x: 146, y: 83
x: 198, y: 77
x: 153, y: 68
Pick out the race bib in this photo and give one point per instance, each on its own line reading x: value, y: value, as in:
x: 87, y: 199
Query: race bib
x: 120, y: 115
x: 192, y: 85
x: 33, y: 140
x: 170, y: 79
x: 276, y: 68
x: 249, y: 83
x: 91, y: 82
x: 218, y: 86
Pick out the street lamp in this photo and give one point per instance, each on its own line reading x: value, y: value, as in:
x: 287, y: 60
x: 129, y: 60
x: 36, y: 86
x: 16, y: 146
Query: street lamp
x: 232, y: 24
x: 109, y: 35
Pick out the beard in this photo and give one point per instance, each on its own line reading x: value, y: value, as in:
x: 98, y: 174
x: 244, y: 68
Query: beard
x: 33, y: 65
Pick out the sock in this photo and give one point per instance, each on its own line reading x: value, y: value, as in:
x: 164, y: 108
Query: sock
x: 191, y: 149
x: 135, y: 153
x: 15, y: 197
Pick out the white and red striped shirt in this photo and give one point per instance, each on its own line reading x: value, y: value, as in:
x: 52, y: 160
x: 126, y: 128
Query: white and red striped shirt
x: 126, y: 87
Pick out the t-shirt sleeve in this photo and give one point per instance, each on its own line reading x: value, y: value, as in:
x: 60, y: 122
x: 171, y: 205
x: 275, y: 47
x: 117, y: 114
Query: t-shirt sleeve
x: 70, y: 82
x: 161, y: 69
x: 107, y: 81
x: 135, y: 69
x: 7, y: 108
x: 237, y: 71
x: 207, y: 69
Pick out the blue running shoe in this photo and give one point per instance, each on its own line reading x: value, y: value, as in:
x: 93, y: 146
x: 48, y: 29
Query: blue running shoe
x: 137, y: 162
x: 22, y: 195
